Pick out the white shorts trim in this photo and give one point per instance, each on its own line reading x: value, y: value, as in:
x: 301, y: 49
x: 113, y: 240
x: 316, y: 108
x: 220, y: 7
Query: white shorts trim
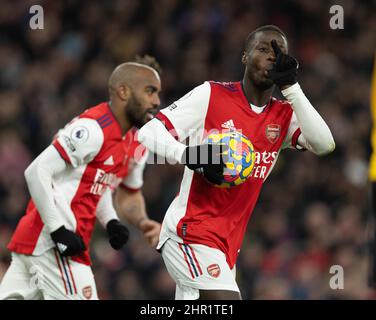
x: 197, y: 267
x: 48, y: 276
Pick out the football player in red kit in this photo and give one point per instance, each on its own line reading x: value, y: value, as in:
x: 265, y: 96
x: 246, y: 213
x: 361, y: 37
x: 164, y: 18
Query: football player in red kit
x: 71, y: 184
x: 204, y: 226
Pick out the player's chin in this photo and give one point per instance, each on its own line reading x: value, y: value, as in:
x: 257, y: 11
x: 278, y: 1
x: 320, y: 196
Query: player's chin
x: 265, y: 83
x: 138, y: 123
x: 141, y: 122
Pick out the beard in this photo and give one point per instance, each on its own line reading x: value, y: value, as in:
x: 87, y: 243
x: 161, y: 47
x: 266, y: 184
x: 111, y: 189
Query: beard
x: 134, y: 113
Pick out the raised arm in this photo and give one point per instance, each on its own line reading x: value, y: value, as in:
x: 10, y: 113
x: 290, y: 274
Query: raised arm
x: 315, y: 133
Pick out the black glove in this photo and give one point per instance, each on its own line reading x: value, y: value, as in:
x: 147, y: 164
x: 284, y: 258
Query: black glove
x: 118, y: 234
x: 68, y: 242
x: 285, y: 68
x: 207, y: 159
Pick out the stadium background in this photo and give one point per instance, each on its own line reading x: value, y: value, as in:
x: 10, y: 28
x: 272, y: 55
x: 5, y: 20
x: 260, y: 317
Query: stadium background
x: 312, y: 211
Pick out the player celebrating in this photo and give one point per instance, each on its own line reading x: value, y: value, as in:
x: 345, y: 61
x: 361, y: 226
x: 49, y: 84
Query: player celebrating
x: 204, y: 226
x: 70, y: 183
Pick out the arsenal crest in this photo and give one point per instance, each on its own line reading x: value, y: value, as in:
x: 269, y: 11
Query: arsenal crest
x: 214, y: 270
x: 87, y: 292
x: 273, y: 132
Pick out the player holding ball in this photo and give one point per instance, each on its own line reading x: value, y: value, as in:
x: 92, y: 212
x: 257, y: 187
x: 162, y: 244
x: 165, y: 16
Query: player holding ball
x: 204, y: 226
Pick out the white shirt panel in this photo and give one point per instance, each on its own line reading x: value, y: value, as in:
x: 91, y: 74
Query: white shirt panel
x: 188, y: 113
x: 81, y: 139
x: 134, y: 179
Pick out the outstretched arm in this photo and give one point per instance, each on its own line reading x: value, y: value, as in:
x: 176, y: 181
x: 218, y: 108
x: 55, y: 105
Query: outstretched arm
x: 131, y: 207
x: 179, y: 120
x: 155, y: 136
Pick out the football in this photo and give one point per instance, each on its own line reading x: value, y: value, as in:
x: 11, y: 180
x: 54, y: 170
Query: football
x: 241, y: 156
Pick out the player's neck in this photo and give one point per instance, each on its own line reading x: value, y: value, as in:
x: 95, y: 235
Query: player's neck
x: 254, y: 95
x: 119, y: 115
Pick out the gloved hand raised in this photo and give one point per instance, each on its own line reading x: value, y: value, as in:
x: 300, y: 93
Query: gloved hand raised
x: 285, y: 68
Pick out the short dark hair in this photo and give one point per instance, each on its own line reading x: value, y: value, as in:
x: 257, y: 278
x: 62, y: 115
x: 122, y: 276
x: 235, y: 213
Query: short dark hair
x: 149, y: 61
x: 269, y: 27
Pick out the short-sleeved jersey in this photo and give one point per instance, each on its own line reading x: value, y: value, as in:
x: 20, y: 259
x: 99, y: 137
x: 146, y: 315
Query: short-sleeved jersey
x: 203, y: 213
x: 99, y: 157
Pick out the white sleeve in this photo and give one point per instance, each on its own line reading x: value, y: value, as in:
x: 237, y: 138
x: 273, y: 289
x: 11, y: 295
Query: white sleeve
x: 180, y: 119
x: 315, y: 134
x: 293, y: 135
x: 80, y: 141
x: 134, y: 180
x: 154, y: 136
x: 105, y: 209
x: 188, y: 113
x: 39, y: 176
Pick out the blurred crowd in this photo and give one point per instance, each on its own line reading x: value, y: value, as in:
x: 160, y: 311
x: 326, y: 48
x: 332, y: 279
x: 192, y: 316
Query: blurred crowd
x: 312, y: 212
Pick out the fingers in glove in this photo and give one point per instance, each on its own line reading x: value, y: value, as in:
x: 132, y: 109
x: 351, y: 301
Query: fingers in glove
x: 75, y: 249
x: 214, y: 178
x: 118, y: 241
x: 277, y: 50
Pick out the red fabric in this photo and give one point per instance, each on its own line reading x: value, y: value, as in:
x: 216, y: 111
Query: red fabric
x: 61, y: 150
x: 25, y: 238
x: 218, y: 217
x: 167, y: 123
x: 96, y: 177
x: 295, y: 137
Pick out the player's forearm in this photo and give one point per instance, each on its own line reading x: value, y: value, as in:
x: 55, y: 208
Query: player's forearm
x: 131, y: 206
x: 313, y: 127
x: 105, y: 209
x: 39, y: 181
x: 157, y: 139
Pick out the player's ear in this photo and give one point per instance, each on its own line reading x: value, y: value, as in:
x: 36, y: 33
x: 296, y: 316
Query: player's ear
x: 244, y: 57
x: 123, y: 92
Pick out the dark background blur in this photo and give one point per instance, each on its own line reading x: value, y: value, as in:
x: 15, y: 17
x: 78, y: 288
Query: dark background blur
x: 312, y: 211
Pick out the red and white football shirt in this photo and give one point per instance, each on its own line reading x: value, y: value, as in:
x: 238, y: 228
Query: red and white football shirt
x: 203, y: 213
x: 99, y: 157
